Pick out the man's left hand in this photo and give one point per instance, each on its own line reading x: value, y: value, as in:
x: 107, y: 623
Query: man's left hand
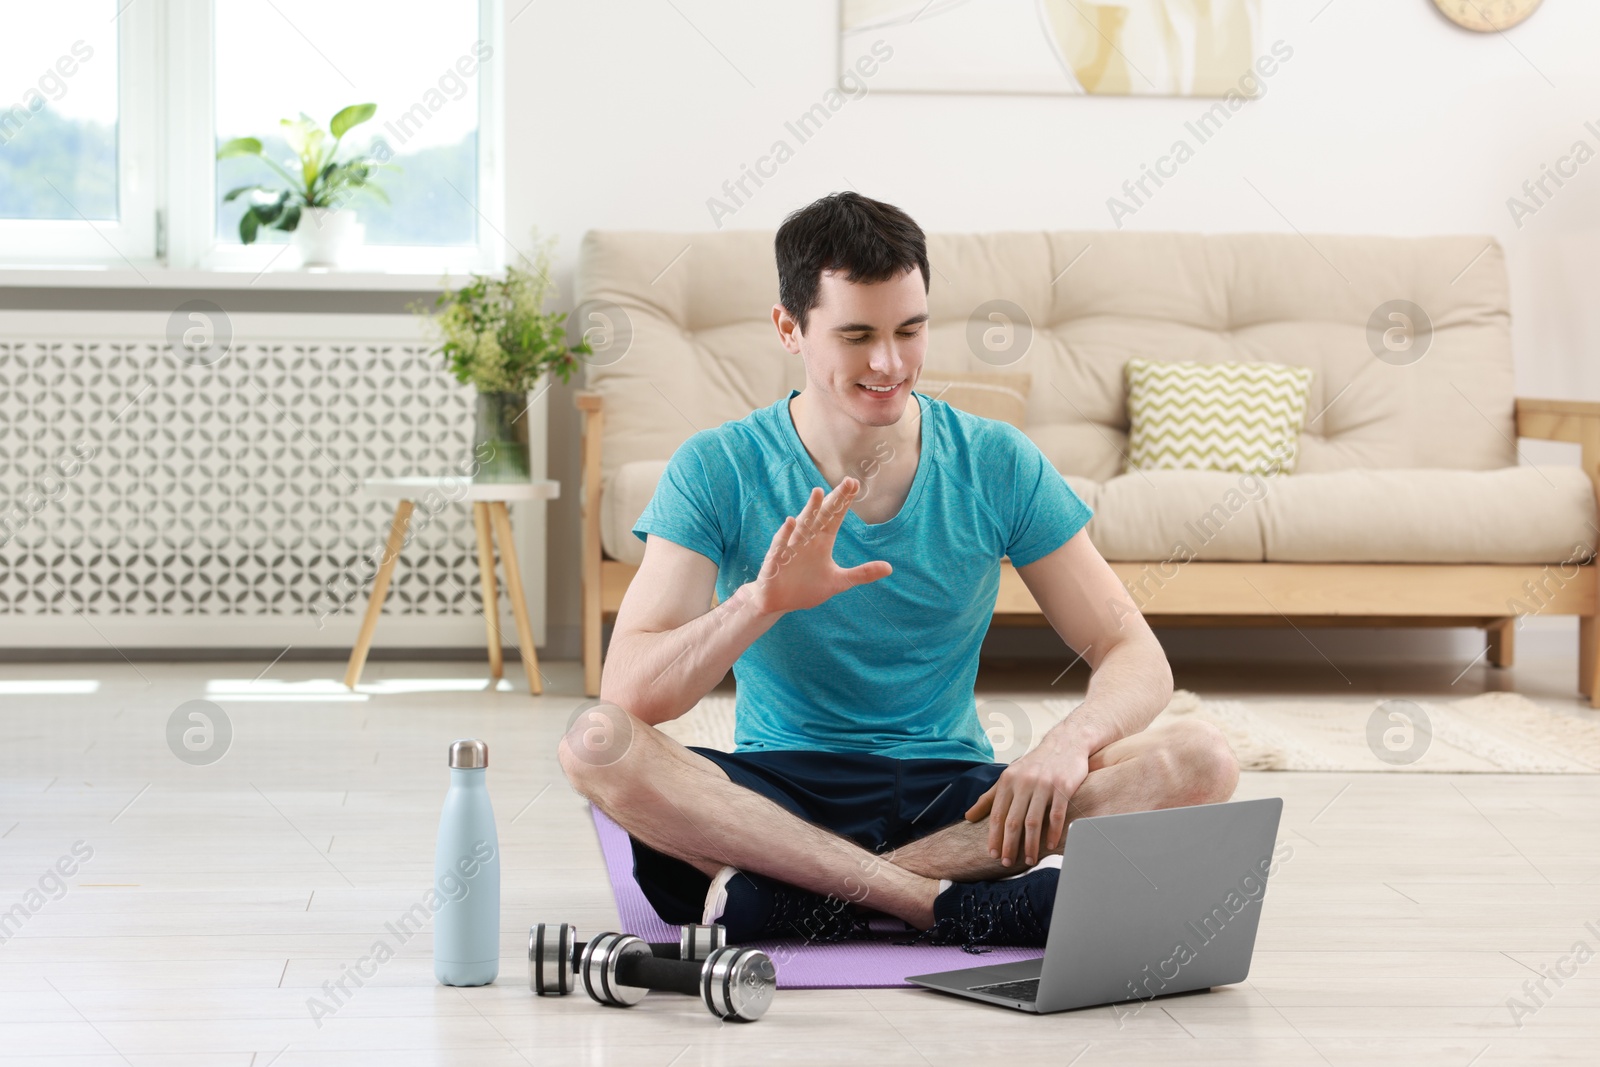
x: 1031, y: 798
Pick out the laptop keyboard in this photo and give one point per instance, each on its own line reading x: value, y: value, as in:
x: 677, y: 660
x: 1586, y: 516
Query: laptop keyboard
x: 1027, y: 989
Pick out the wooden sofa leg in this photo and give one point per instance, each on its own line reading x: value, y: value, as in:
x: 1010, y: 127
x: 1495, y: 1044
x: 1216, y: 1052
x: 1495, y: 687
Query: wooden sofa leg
x: 1502, y: 641
x: 1589, y: 658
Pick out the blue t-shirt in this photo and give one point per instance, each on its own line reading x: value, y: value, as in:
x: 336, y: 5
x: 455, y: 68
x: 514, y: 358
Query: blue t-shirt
x: 887, y: 667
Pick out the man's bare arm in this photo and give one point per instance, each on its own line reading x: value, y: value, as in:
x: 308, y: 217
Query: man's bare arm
x: 663, y: 658
x: 1130, y: 683
x: 1084, y: 600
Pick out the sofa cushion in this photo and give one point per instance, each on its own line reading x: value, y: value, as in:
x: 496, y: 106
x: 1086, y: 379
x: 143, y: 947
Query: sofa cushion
x: 1147, y: 515
x: 994, y: 395
x: 1215, y: 416
x: 623, y: 497
x: 1513, y: 515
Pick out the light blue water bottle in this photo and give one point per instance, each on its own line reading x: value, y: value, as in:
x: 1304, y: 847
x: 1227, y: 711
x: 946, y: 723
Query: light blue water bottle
x: 466, y: 875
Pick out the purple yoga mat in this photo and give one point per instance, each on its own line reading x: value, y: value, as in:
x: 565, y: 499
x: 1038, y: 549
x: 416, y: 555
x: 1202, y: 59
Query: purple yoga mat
x: 801, y: 964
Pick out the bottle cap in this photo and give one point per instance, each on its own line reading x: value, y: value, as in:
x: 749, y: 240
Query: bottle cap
x: 469, y: 754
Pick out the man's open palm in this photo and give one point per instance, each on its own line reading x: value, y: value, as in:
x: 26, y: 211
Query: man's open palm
x: 799, y: 571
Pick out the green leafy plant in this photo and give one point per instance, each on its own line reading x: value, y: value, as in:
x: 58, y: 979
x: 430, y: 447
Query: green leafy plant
x: 495, y: 335
x: 321, y: 181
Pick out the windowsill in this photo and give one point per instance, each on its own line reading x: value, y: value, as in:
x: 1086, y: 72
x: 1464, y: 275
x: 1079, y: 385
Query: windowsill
x: 159, y: 277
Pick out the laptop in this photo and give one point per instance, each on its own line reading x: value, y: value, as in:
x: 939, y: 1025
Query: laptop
x: 1150, y: 903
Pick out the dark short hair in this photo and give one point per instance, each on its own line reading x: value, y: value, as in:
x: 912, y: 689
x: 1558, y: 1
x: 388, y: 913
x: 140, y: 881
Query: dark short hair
x: 868, y: 240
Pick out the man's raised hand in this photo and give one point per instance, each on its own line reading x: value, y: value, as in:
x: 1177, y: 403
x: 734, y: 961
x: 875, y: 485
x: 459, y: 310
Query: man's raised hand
x: 799, y: 571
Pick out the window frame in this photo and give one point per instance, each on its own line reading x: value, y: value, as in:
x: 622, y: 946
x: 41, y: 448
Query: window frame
x: 167, y: 167
x: 130, y: 239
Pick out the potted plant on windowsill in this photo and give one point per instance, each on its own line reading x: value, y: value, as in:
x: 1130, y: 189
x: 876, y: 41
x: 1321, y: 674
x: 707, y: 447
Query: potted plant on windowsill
x: 315, y: 205
x: 495, y: 336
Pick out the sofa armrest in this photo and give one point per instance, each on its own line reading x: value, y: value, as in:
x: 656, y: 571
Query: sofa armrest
x: 1557, y: 420
x: 594, y: 418
x: 590, y: 403
x: 1576, y: 421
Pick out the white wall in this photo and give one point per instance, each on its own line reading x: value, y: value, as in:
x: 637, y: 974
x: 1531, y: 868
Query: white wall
x: 1387, y: 119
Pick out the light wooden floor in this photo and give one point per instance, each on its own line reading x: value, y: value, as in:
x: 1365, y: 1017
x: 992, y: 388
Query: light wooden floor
x: 220, y: 898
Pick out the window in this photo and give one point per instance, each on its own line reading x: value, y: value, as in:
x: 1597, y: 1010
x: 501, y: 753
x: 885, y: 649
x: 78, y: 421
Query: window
x: 109, y: 136
x: 72, y: 183
x: 59, y: 132
x: 425, y: 86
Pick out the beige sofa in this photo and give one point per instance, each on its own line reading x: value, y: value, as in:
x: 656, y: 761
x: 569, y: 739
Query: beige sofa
x: 1408, y: 507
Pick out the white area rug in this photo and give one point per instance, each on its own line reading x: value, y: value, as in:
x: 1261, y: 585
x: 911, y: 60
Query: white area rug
x: 1490, y: 733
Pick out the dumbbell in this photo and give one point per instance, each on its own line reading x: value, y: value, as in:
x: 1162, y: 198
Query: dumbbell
x: 554, y: 951
x: 733, y: 983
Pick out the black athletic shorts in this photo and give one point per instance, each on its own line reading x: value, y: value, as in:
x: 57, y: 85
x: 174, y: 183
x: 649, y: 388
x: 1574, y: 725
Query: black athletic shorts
x: 878, y: 802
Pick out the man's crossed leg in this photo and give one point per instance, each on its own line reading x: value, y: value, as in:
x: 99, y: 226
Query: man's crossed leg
x: 682, y: 804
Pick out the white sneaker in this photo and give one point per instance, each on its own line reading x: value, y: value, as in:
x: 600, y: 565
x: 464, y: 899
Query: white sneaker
x: 1049, y: 861
x: 717, y: 895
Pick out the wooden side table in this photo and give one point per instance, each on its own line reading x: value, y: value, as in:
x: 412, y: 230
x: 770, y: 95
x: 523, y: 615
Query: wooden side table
x: 488, y: 500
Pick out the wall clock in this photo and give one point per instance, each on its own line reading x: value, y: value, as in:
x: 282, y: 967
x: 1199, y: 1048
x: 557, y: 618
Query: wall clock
x: 1487, y: 16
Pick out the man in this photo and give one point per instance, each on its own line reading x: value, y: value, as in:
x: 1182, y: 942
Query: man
x: 852, y: 618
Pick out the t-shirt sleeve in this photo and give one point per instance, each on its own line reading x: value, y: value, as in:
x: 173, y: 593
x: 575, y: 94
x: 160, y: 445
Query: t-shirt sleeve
x: 683, y: 508
x: 1040, y: 509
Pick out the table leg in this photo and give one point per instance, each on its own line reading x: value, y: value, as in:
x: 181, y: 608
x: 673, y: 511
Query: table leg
x: 519, y: 605
x: 1589, y: 658
x: 491, y: 598
x: 1502, y: 641
x: 380, y: 590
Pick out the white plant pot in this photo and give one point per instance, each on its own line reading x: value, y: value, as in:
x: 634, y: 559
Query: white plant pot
x: 323, y: 234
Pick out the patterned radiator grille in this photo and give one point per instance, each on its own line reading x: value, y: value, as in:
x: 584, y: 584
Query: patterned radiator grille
x: 134, y: 483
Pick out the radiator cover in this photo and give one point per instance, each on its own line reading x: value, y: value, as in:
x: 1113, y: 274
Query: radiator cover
x: 146, y: 500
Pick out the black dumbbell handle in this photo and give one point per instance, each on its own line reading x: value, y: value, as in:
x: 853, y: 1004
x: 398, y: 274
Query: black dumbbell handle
x: 664, y: 975
x: 661, y: 950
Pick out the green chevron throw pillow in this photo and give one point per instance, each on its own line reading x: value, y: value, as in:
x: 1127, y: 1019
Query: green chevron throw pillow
x: 1243, y: 417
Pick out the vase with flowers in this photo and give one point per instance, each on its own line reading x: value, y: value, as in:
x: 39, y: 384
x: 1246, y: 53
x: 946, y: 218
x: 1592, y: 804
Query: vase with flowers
x: 495, y: 335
